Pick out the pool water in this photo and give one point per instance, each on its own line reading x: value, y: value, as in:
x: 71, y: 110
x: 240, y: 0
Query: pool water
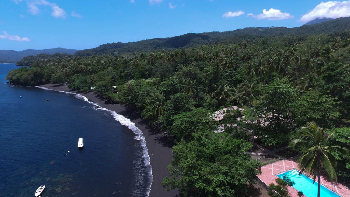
x: 306, y: 185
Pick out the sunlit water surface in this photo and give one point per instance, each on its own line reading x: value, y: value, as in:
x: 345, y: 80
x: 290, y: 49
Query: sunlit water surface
x: 39, y: 127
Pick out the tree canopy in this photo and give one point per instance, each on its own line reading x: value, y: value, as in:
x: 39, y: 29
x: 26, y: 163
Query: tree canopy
x: 282, y: 78
x: 212, y: 165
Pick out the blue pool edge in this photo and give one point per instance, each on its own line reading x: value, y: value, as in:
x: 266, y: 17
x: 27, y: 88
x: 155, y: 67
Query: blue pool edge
x: 335, y: 194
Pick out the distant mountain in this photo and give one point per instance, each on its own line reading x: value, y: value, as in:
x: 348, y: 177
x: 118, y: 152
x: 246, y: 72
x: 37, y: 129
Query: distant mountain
x: 11, y: 56
x: 318, y: 20
x: 320, y: 26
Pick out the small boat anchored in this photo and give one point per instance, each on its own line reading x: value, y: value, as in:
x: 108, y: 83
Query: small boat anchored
x: 80, y: 143
x: 39, y: 190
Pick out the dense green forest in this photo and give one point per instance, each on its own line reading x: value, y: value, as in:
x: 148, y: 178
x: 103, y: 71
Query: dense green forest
x: 10, y: 56
x: 29, y: 60
x: 282, y: 81
x: 317, y: 26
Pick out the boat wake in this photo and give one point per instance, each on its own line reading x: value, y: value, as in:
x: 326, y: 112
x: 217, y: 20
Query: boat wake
x: 142, y: 164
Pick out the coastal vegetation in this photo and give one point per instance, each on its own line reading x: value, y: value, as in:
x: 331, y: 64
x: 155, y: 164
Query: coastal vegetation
x: 11, y: 56
x: 279, y: 190
x: 281, y: 81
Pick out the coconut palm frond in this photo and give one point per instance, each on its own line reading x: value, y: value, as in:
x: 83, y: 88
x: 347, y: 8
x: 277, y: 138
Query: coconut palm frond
x: 306, y: 161
x: 317, y: 152
x: 328, y: 167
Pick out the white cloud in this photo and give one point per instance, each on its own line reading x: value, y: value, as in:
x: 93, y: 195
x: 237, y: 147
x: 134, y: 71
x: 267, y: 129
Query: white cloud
x: 272, y: 14
x: 132, y: 1
x: 57, y: 11
x: 155, y: 1
x: 233, y: 14
x: 16, y: 1
x: 330, y: 9
x: 172, y: 6
x: 14, y: 37
x: 33, y: 6
x: 74, y: 14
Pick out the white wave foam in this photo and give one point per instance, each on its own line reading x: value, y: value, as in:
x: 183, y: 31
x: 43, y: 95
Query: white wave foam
x: 125, y: 122
x: 139, y: 136
x: 44, y: 88
x: 81, y: 97
x: 130, y: 125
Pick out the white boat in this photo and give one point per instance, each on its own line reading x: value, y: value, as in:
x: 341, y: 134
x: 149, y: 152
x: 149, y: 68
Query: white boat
x: 39, y: 190
x: 80, y: 143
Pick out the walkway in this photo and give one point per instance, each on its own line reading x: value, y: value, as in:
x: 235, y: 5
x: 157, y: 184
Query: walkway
x: 269, y: 174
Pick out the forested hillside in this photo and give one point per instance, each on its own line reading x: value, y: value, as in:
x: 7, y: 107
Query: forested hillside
x: 10, y: 56
x: 318, y: 26
x: 29, y: 60
x: 282, y: 79
x: 318, y: 20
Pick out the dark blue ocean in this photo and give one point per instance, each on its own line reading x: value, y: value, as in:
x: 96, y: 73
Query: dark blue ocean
x: 36, y: 135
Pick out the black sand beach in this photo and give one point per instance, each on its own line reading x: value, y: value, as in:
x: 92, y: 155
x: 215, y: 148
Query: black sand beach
x: 159, y: 147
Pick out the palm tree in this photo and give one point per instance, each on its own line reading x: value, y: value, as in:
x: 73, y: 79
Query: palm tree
x: 317, y: 152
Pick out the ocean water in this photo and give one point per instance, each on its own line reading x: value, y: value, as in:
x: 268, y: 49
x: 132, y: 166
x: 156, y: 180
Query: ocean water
x: 36, y: 135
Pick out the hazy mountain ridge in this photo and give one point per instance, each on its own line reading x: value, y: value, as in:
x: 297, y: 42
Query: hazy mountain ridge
x: 317, y: 26
x: 11, y: 56
x: 318, y: 20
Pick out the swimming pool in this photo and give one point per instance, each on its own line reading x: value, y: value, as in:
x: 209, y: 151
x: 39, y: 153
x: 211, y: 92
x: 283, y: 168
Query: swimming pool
x: 305, y: 184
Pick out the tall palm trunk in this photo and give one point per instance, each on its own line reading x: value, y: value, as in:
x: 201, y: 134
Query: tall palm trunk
x: 319, y: 180
x: 317, y: 155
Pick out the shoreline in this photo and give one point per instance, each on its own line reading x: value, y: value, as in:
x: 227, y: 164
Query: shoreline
x: 157, y: 143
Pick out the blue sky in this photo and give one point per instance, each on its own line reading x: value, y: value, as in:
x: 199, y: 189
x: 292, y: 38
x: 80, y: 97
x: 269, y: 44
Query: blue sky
x: 82, y: 24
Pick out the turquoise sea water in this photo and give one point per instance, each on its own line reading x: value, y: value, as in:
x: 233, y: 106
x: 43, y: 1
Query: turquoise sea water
x: 36, y: 134
x: 306, y: 185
